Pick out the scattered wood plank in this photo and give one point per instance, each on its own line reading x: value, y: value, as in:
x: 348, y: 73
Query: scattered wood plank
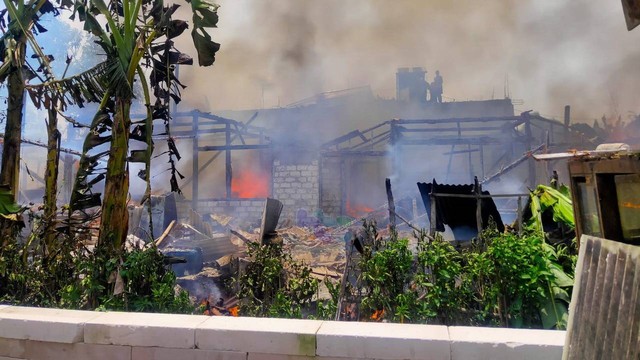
x: 166, y: 232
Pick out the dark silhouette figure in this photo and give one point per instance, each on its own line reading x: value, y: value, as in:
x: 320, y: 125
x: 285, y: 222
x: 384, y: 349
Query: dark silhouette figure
x: 436, y: 88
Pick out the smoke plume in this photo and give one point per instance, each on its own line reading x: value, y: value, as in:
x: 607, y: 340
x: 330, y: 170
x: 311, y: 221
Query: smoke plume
x: 547, y: 53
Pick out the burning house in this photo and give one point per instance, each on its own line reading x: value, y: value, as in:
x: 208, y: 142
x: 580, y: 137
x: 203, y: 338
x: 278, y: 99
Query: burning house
x: 329, y: 155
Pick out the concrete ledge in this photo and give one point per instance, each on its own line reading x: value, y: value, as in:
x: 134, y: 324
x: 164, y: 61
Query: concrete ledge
x: 383, y: 341
x: 501, y: 343
x: 143, y: 329
x: 259, y: 335
x: 12, y: 348
x: 38, y: 350
x: 36, y: 333
x: 157, y: 353
x: 53, y: 325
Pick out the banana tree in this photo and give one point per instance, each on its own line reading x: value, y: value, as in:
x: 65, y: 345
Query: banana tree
x: 21, y: 18
x: 132, y: 34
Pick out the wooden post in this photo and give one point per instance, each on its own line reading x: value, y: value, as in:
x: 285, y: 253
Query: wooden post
x: 394, y: 139
x: 229, y: 171
x: 567, y: 123
x: 478, y: 193
x: 196, y: 167
x: 530, y: 161
x: 481, y: 161
x: 519, y: 215
x: 343, y: 186
x: 433, y: 217
x: 470, y: 162
x: 392, y: 206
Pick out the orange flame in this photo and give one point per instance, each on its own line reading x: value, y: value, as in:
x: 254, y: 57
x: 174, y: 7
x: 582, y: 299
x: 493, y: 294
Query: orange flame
x: 631, y: 205
x: 377, y: 315
x: 234, y: 310
x: 248, y: 184
x: 356, y: 211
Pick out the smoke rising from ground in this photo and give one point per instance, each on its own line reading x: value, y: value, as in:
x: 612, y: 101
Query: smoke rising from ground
x: 554, y: 52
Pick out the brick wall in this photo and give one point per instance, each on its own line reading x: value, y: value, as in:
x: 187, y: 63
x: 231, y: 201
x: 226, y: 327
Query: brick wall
x: 296, y: 185
x: 331, y: 201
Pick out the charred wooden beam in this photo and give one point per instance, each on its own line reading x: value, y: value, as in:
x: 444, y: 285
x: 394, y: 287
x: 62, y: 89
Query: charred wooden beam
x: 354, y: 153
x: 196, y: 169
x: 509, y: 167
x: 233, y: 147
x: 461, y: 120
x: 228, y: 169
x: 392, y: 205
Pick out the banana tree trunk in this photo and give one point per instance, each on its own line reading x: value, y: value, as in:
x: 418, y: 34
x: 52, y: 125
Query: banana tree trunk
x: 115, y: 216
x: 51, y: 178
x: 10, y: 169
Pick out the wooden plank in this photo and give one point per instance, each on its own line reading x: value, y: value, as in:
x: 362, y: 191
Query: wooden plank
x: 164, y: 235
x: 270, y: 218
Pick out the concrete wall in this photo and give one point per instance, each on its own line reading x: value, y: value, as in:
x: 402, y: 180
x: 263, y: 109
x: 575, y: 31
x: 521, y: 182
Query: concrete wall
x: 36, y: 333
x: 296, y: 185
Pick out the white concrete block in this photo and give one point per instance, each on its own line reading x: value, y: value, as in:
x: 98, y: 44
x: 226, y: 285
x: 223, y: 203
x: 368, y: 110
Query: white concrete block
x: 12, y: 348
x: 500, y: 343
x: 262, y: 356
x: 382, y: 341
x: 38, y: 350
x: 156, y: 353
x: 55, y: 325
x: 259, y: 335
x: 143, y: 329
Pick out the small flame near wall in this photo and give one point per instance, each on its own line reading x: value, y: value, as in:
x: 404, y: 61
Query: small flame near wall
x: 357, y: 210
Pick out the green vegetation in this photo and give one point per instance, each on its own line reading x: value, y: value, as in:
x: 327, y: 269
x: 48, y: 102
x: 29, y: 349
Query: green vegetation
x: 77, y: 279
x: 273, y: 284
x: 512, y: 281
x: 52, y: 267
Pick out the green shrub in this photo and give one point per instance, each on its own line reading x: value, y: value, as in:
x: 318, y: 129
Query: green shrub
x: 273, y: 284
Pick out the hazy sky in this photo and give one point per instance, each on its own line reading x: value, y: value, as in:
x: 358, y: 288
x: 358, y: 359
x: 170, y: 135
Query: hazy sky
x: 554, y: 52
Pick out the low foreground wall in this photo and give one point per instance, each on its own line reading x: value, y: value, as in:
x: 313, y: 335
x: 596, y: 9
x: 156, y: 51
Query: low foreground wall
x: 35, y: 333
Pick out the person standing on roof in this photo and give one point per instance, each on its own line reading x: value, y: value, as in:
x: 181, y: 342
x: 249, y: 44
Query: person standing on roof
x: 436, y: 88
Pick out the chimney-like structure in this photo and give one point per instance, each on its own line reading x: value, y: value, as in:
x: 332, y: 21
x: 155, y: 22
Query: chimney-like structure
x: 411, y: 85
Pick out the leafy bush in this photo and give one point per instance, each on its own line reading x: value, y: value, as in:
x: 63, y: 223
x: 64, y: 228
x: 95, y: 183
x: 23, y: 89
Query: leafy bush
x: 386, y: 271
x: 511, y: 280
x: 273, y: 284
x: 139, y: 281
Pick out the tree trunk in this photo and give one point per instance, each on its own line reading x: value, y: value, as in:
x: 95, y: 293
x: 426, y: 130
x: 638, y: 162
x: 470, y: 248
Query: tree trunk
x: 51, y: 178
x: 10, y: 169
x: 115, y: 216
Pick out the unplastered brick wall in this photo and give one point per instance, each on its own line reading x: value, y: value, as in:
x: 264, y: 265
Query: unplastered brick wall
x: 331, y: 201
x: 37, y: 333
x: 296, y: 186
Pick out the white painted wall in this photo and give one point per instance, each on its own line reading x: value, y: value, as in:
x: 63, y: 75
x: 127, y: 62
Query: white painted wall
x: 37, y: 333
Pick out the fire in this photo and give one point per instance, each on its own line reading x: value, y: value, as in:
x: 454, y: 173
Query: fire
x: 248, y: 184
x: 356, y: 211
x: 234, y: 310
x: 631, y: 205
x: 377, y: 315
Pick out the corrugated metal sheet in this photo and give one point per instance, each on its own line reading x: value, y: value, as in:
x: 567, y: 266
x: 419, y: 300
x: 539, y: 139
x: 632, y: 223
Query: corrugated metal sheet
x: 604, y: 321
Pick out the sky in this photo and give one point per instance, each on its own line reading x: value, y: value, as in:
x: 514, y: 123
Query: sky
x: 551, y: 53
